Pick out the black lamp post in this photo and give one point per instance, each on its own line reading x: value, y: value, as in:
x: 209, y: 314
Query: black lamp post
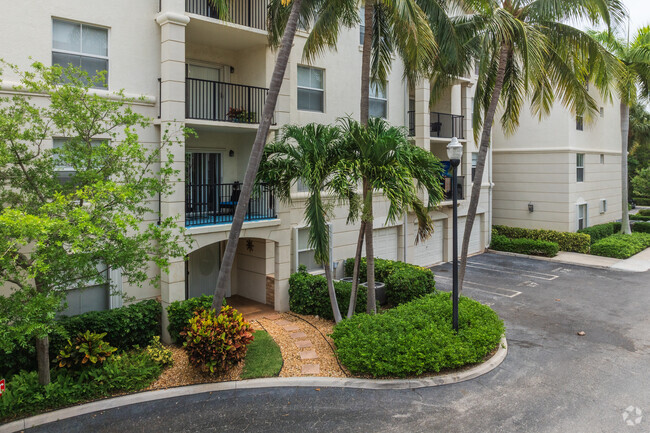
x: 455, y: 153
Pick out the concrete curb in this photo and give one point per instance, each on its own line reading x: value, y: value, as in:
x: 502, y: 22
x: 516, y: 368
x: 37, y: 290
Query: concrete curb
x: 552, y: 260
x: 303, y: 382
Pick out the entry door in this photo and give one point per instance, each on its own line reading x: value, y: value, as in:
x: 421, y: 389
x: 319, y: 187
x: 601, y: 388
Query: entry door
x: 203, y: 178
x: 203, y: 267
x: 206, y: 92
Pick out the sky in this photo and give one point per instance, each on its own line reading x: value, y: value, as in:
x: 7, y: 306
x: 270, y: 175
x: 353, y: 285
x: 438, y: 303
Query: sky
x: 639, y: 13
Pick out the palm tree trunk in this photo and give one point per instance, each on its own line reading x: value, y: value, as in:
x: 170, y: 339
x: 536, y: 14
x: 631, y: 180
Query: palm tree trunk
x: 365, y: 62
x: 43, y: 360
x: 330, y: 288
x: 480, y: 162
x: 370, y: 250
x: 355, y: 271
x: 625, y: 130
x: 256, y: 155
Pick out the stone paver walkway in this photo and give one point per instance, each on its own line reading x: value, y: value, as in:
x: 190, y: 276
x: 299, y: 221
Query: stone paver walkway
x: 308, y: 355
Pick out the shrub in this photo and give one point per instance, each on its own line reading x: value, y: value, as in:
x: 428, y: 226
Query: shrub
x: 642, y: 201
x: 573, y: 242
x: 159, y: 353
x: 132, y: 325
x: 417, y: 337
x: 308, y: 295
x: 621, y: 246
x: 216, y: 343
x: 637, y: 217
x: 524, y: 246
x: 404, y: 281
x: 601, y: 231
x: 180, y: 312
x: 644, y: 212
x: 130, y: 371
x: 88, y: 348
x: 641, y: 227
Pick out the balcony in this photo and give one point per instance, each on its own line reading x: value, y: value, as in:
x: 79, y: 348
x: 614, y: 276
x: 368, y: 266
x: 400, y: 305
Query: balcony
x: 224, y: 102
x: 442, y: 125
x: 215, y: 203
x: 248, y: 13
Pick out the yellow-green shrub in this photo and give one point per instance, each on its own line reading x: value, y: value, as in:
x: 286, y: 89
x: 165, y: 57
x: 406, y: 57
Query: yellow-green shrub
x: 572, y: 242
x: 159, y: 353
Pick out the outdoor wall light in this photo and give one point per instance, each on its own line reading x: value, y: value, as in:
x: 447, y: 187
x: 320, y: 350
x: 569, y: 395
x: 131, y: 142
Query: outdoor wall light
x: 531, y: 207
x: 231, y: 153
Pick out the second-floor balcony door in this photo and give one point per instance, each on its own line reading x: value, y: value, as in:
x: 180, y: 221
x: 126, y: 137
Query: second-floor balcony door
x: 207, y: 102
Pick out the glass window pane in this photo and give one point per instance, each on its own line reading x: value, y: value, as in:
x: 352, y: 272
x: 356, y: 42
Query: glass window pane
x: 377, y: 91
x: 93, y: 65
x: 66, y: 36
x: 311, y: 100
x: 95, y: 41
x: 64, y: 60
x: 377, y: 108
x: 307, y: 258
x: 316, y: 78
x: 303, y: 76
x: 303, y: 239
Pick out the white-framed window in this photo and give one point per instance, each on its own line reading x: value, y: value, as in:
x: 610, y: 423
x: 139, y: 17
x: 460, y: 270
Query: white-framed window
x: 80, y: 45
x: 582, y: 216
x: 378, y: 101
x: 474, y: 162
x: 580, y: 167
x: 602, y: 158
x: 603, y: 205
x: 311, y: 91
x: 362, y: 24
x: 477, y: 67
x: 580, y: 123
x: 302, y: 186
x: 602, y: 111
x: 64, y: 171
x: 304, y: 255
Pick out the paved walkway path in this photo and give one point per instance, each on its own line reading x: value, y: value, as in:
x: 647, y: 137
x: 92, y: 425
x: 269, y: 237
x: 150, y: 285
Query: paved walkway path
x: 308, y: 355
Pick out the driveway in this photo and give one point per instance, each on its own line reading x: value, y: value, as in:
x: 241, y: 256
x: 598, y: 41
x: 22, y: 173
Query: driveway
x: 552, y: 380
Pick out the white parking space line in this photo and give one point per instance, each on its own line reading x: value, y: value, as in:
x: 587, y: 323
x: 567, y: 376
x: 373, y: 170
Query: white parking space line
x: 499, y: 291
x: 529, y: 274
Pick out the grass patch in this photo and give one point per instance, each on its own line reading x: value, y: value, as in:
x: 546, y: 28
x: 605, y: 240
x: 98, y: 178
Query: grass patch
x: 263, y: 359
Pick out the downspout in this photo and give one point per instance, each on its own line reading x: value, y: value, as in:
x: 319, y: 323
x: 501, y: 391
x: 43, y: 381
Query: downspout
x: 406, y: 219
x: 490, y: 188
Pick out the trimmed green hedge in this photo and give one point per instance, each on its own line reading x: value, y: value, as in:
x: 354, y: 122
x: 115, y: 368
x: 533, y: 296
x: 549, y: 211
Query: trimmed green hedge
x: 637, y: 217
x: 418, y: 337
x: 404, y: 281
x: 524, y: 246
x: 601, y: 231
x: 573, y: 242
x: 641, y: 227
x: 125, y: 327
x: 644, y: 212
x: 642, y: 201
x: 308, y: 295
x: 621, y: 246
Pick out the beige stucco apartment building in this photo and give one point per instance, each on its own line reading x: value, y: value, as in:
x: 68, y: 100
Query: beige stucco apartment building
x: 212, y: 76
x: 561, y: 173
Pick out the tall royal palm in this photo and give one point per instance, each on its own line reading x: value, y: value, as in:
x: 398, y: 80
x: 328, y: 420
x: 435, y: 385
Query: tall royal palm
x: 311, y: 154
x: 381, y: 157
x: 634, y: 81
x: 526, y: 50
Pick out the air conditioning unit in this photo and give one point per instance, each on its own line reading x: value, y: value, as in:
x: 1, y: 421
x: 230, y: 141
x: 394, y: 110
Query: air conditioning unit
x: 603, y: 206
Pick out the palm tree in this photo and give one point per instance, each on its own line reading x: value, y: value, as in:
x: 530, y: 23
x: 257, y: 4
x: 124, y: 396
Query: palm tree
x: 311, y: 154
x: 382, y: 158
x: 258, y: 146
x: 634, y: 58
x: 525, y: 49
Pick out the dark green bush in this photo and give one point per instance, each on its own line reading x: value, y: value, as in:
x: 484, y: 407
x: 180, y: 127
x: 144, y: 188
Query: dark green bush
x: 308, y: 295
x: 573, y: 242
x: 621, y: 246
x: 418, y: 337
x: 637, y: 217
x: 644, y: 212
x: 642, y: 201
x: 524, y: 246
x: 180, y: 312
x: 130, y: 371
x: 125, y: 327
x: 404, y: 281
x: 601, y: 231
x: 641, y: 227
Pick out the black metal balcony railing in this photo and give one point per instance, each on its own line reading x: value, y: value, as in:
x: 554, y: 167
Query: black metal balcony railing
x: 226, y: 102
x: 446, y: 187
x: 207, y: 204
x: 249, y: 13
x: 442, y: 125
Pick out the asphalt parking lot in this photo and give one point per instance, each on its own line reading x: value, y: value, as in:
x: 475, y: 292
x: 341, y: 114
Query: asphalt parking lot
x: 552, y: 380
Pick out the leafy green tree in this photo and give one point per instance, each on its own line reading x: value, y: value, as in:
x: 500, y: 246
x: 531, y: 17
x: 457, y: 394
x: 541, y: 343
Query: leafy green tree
x: 311, y: 154
x: 641, y: 183
x: 526, y: 49
x: 634, y: 79
x: 64, y: 233
x: 639, y: 142
x: 381, y: 158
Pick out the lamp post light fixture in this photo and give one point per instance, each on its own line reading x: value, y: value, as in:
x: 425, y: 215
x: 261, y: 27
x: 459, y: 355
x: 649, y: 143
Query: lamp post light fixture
x: 455, y: 153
